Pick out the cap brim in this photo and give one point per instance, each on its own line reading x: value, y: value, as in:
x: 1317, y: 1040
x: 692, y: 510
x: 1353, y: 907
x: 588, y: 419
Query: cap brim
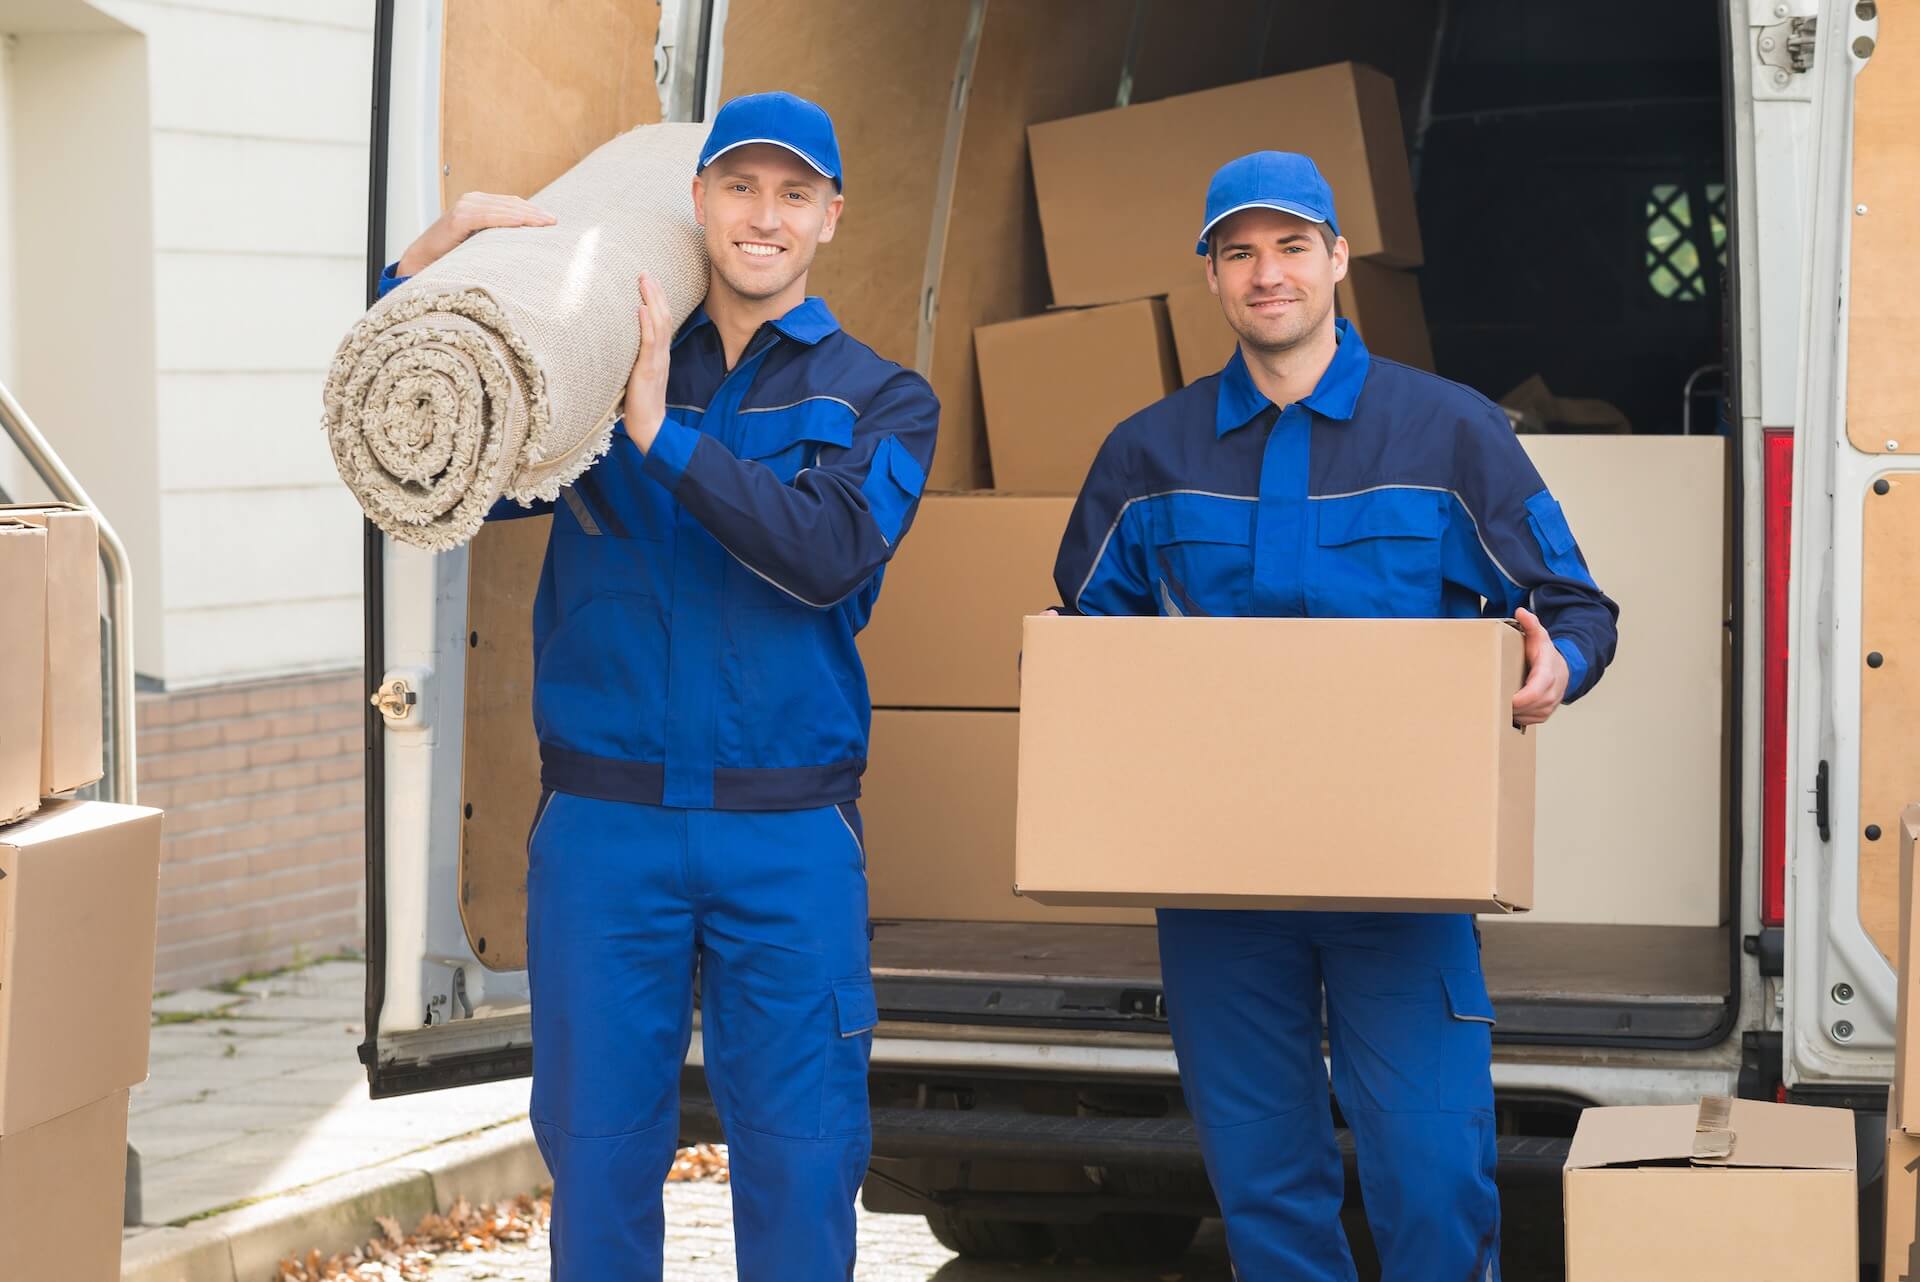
x: 1222, y: 216
x: 813, y: 164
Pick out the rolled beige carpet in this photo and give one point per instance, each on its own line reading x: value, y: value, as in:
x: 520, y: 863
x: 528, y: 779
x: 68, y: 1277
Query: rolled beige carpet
x: 499, y: 370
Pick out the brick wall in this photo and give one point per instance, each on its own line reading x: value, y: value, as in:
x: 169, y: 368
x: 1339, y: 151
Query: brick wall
x: 263, y: 853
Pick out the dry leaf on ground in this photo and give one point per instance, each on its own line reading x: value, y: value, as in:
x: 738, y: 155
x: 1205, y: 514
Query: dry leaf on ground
x: 393, y: 1256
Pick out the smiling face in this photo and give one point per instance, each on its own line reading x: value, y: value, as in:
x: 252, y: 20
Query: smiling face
x: 765, y: 212
x: 1275, y: 274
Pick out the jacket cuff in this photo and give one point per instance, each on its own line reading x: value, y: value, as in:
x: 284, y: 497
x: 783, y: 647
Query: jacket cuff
x: 1576, y: 666
x: 672, y: 450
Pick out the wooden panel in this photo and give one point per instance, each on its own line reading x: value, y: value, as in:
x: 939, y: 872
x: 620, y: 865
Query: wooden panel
x: 1882, y: 382
x: 529, y: 89
x: 526, y: 91
x: 500, y: 779
x: 884, y: 72
x: 1035, y: 62
x: 1661, y: 555
x: 1889, y: 696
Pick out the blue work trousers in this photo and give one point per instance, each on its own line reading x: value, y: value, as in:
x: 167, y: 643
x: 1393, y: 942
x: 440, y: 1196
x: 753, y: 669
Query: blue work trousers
x: 622, y: 901
x: 1409, y: 1027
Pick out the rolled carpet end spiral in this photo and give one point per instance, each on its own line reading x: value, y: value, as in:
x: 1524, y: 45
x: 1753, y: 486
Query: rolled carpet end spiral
x: 498, y: 371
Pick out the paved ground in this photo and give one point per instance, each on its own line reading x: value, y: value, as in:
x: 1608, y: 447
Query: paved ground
x: 893, y: 1248
x: 898, y: 1248
x: 257, y: 1091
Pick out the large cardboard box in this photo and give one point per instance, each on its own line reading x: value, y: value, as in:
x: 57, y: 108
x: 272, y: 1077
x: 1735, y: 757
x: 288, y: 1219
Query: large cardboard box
x: 1903, y: 1108
x: 1723, y: 1191
x: 946, y: 631
x: 937, y: 805
x: 1104, y: 247
x: 78, y: 883
x: 62, y: 1195
x: 1900, y: 1228
x: 23, y: 665
x: 1055, y: 385
x: 70, y: 750
x: 1383, y: 304
x: 1366, y: 764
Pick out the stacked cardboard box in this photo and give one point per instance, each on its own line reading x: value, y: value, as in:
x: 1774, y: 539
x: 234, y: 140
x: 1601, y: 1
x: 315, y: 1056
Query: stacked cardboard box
x: 23, y: 667
x: 943, y: 665
x: 78, y: 883
x: 1120, y: 194
x: 1902, y: 1224
x: 50, y: 672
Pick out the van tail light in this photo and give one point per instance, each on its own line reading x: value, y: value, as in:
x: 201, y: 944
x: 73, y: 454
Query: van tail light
x: 1777, y: 463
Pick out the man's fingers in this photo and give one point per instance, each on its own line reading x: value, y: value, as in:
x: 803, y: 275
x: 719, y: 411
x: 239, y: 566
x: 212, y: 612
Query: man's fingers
x: 655, y: 324
x: 506, y: 211
x: 1536, y: 690
x: 646, y: 322
x: 651, y: 292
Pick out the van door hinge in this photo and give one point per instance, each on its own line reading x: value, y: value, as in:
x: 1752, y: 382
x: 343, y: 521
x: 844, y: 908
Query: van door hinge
x: 1821, y: 818
x: 1787, y: 46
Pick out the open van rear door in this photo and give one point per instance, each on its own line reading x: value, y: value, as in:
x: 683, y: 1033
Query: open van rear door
x: 1854, y: 616
x: 452, y: 768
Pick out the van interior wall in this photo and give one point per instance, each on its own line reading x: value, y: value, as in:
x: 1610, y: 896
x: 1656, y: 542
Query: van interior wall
x: 526, y: 92
x: 1561, y: 161
x: 1882, y: 331
x: 932, y: 102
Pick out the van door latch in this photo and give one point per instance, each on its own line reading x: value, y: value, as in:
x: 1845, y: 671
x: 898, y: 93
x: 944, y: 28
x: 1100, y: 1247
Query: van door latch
x: 1787, y: 46
x: 394, y: 699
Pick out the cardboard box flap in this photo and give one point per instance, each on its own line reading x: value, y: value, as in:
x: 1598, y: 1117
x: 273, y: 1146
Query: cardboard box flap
x: 1717, y: 1132
x: 69, y: 819
x: 1634, y: 1135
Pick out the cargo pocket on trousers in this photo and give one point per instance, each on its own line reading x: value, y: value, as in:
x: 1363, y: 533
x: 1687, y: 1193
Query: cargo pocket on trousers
x: 1467, y: 998
x: 853, y: 999
x: 844, y: 1110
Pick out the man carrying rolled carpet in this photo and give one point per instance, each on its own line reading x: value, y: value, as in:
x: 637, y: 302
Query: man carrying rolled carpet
x: 703, y: 721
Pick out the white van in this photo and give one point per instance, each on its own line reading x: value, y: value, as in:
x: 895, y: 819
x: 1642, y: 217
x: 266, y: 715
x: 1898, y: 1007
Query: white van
x: 1704, y: 215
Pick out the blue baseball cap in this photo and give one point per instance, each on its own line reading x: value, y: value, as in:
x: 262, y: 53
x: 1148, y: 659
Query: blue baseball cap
x: 1283, y: 180
x: 782, y: 119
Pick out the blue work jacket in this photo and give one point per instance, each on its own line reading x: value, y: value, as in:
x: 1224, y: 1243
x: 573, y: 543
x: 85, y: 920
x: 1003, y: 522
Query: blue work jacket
x: 693, y: 632
x: 1386, y: 493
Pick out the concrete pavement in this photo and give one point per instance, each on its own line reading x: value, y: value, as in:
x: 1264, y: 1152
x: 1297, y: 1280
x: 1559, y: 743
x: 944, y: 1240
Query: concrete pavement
x: 893, y: 1248
x: 256, y: 1136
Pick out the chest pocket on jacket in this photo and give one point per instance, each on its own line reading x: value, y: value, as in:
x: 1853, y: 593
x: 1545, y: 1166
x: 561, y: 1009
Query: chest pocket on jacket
x: 1202, y: 561
x: 1376, y: 555
x: 788, y: 438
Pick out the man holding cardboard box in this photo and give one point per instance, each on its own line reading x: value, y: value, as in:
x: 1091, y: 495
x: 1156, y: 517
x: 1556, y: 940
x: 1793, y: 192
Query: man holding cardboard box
x: 1308, y: 478
x: 703, y: 720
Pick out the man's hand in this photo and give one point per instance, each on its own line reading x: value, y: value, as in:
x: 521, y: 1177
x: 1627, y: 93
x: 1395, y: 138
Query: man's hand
x: 646, y: 403
x: 473, y: 212
x: 1546, y: 674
